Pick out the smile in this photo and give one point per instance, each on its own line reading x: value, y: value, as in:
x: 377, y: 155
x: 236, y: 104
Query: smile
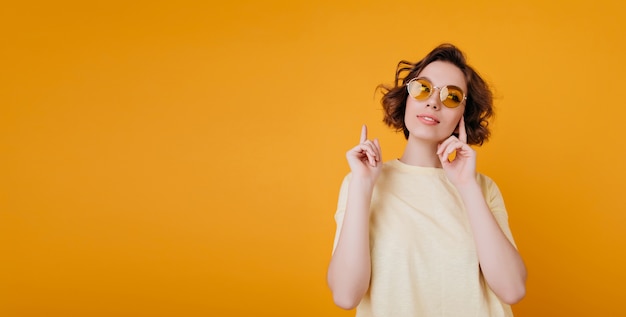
x: 428, y: 119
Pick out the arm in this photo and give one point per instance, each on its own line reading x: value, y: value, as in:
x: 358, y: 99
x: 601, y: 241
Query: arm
x: 500, y: 263
x: 350, y: 266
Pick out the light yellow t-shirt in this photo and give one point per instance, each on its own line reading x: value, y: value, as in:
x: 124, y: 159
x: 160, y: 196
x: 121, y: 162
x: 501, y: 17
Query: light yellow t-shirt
x: 424, y: 260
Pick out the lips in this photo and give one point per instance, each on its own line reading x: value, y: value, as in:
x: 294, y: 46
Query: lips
x: 428, y: 118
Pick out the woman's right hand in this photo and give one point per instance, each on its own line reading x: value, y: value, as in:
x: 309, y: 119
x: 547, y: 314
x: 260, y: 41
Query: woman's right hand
x: 365, y: 159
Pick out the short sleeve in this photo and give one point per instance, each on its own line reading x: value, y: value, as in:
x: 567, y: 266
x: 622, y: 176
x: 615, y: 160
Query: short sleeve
x: 494, y: 199
x: 341, y: 207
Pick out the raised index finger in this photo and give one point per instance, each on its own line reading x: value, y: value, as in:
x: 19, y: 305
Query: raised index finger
x: 462, y: 131
x: 363, y: 134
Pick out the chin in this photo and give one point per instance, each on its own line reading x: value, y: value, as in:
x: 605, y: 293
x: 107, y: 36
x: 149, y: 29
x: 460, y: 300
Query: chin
x: 424, y: 136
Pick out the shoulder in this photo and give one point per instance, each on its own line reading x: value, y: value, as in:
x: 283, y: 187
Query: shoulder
x: 490, y: 190
x: 489, y: 187
x: 486, y: 182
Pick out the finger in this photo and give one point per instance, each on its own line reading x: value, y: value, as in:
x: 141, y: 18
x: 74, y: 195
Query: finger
x: 364, y: 152
x: 450, y: 148
x: 363, y: 134
x: 379, y: 155
x: 371, y: 152
x: 445, y: 143
x: 371, y: 159
x: 455, y: 146
x: 371, y: 148
x: 441, y: 154
x: 462, y: 131
x: 361, y: 150
x: 443, y: 160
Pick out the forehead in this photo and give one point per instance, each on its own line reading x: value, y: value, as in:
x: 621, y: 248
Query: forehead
x: 444, y: 73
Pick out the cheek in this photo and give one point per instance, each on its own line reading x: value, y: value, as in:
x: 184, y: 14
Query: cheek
x: 453, y: 123
x: 410, y: 110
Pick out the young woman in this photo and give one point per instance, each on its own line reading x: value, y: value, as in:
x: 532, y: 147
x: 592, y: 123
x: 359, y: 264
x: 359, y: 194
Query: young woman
x: 425, y: 235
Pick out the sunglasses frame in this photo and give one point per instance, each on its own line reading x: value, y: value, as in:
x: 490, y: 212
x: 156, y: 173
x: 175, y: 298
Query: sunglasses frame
x: 442, y: 98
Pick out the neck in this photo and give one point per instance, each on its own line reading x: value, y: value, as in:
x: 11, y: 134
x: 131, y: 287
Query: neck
x: 420, y: 153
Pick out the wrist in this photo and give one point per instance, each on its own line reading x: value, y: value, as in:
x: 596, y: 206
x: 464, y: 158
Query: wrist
x: 362, y: 183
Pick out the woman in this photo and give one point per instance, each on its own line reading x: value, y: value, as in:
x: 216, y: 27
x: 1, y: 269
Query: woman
x: 425, y: 235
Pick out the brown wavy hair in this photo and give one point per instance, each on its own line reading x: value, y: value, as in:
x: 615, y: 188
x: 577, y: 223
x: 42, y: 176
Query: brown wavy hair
x: 478, y: 106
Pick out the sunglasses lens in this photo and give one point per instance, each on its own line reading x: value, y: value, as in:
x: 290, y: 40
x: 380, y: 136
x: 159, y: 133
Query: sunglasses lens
x: 419, y: 88
x: 451, y: 96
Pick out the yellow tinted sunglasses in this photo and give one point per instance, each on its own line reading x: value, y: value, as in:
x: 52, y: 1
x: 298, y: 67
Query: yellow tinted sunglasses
x: 421, y: 89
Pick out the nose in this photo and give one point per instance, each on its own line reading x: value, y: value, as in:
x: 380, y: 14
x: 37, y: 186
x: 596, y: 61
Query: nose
x: 434, y: 100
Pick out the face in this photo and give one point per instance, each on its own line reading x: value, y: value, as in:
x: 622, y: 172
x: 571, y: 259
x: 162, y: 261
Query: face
x: 429, y: 119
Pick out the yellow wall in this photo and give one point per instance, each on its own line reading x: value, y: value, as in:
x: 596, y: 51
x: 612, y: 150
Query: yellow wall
x: 161, y: 159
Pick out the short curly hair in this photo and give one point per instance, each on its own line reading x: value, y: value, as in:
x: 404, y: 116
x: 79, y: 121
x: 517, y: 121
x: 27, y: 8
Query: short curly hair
x: 479, y: 103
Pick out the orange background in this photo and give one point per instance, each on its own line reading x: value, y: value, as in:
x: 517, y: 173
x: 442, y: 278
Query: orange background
x: 162, y: 159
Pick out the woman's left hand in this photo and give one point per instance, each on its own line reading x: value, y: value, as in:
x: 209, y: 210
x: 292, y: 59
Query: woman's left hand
x: 462, y: 169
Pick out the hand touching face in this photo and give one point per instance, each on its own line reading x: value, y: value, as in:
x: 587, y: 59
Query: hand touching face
x: 462, y: 168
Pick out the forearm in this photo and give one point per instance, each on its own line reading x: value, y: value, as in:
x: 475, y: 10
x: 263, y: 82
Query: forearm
x: 350, y: 267
x: 500, y: 262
